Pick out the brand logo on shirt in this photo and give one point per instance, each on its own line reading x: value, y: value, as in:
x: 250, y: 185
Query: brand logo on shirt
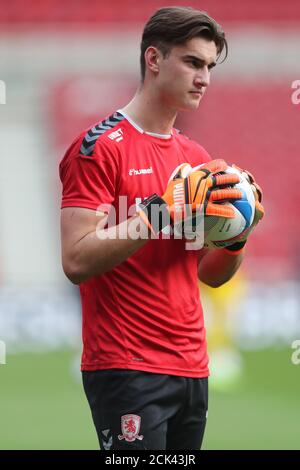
x: 106, y: 439
x: 116, y: 135
x: 141, y: 171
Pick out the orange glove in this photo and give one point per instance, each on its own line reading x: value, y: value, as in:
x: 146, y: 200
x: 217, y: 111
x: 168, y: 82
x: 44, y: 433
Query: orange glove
x: 203, y: 189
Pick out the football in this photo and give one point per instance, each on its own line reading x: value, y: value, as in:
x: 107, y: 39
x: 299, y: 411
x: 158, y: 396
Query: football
x: 221, y: 232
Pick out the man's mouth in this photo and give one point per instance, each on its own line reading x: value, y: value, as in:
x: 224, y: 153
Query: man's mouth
x: 197, y: 92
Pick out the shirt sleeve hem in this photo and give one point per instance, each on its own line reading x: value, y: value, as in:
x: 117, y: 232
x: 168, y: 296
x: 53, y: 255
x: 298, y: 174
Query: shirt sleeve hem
x: 82, y: 204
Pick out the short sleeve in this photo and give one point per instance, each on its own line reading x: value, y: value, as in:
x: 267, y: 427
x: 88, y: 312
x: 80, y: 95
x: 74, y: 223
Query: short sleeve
x: 88, y: 181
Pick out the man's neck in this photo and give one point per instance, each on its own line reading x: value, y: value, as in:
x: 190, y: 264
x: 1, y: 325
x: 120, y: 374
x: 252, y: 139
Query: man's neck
x: 147, y: 110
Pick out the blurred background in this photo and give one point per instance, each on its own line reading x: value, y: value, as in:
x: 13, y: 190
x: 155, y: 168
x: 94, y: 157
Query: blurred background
x: 65, y: 66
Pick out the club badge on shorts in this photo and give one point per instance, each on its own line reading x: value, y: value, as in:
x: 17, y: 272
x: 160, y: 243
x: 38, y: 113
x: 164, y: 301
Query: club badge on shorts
x: 130, y: 426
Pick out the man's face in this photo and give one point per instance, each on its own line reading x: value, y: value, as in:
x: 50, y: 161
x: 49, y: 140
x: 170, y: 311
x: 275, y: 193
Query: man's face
x: 185, y: 73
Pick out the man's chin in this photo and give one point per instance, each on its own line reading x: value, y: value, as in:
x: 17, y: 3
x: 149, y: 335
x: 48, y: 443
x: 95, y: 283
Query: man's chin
x: 190, y: 106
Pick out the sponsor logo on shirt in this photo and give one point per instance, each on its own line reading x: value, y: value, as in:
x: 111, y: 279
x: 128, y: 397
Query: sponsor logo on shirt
x: 141, y: 171
x: 116, y: 135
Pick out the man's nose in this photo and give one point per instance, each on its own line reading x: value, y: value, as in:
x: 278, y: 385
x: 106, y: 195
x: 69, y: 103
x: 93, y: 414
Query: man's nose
x: 203, y: 77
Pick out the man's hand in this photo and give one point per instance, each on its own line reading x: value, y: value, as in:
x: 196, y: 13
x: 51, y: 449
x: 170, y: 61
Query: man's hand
x: 185, y: 170
x: 259, y: 210
x: 190, y: 191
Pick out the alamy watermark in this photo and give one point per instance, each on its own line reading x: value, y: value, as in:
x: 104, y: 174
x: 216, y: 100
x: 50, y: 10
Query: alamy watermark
x: 186, y: 223
x: 2, y: 352
x: 296, y: 354
x: 2, y: 92
x: 296, y: 94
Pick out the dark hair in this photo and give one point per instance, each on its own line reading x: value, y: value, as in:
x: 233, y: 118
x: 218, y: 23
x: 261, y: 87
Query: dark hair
x: 170, y: 26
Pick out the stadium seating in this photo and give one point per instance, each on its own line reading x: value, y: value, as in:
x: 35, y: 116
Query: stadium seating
x: 97, y: 12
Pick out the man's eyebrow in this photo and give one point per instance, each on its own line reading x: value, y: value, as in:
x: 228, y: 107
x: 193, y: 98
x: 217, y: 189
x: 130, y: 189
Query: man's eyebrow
x: 199, y: 59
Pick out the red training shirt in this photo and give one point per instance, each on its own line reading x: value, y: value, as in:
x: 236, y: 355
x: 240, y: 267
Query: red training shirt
x: 146, y: 313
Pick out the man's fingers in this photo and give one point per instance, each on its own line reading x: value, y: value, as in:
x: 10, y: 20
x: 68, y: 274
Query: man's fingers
x: 214, y: 166
x: 226, y: 179
x: 220, y: 210
x: 225, y: 194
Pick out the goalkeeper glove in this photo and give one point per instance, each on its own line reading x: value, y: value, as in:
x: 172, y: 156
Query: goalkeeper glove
x: 258, y: 215
x: 188, y: 191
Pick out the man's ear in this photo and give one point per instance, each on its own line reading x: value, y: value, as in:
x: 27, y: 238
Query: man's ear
x: 152, y: 59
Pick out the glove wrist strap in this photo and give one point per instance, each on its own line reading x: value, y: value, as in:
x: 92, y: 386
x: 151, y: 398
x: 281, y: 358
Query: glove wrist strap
x: 236, y: 248
x: 154, y: 210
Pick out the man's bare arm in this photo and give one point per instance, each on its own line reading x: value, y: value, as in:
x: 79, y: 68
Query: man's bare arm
x: 218, y: 266
x: 85, y: 253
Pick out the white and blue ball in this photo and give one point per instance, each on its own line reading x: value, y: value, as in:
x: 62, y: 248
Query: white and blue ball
x: 221, y: 232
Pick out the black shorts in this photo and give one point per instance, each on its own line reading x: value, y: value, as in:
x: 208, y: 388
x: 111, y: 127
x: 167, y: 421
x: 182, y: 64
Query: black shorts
x: 141, y: 410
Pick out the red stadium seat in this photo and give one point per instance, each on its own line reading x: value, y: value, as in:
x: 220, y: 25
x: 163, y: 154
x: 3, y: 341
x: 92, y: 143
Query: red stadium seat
x: 95, y: 12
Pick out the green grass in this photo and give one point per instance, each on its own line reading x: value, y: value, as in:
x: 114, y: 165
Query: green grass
x: 42, y: 406
x: 263, y: 412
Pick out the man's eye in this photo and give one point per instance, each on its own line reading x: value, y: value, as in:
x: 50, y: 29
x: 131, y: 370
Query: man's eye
x: 194, y: 63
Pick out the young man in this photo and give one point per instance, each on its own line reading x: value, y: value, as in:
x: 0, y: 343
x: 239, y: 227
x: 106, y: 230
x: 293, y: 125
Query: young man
x: 144, y: 361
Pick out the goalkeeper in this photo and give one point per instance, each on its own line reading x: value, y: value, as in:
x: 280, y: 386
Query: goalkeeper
x: 144, y: 361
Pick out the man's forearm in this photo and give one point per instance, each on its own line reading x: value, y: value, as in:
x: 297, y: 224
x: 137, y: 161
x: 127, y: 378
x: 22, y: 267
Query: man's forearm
x: 218, y: 266
x: 101, y: 250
